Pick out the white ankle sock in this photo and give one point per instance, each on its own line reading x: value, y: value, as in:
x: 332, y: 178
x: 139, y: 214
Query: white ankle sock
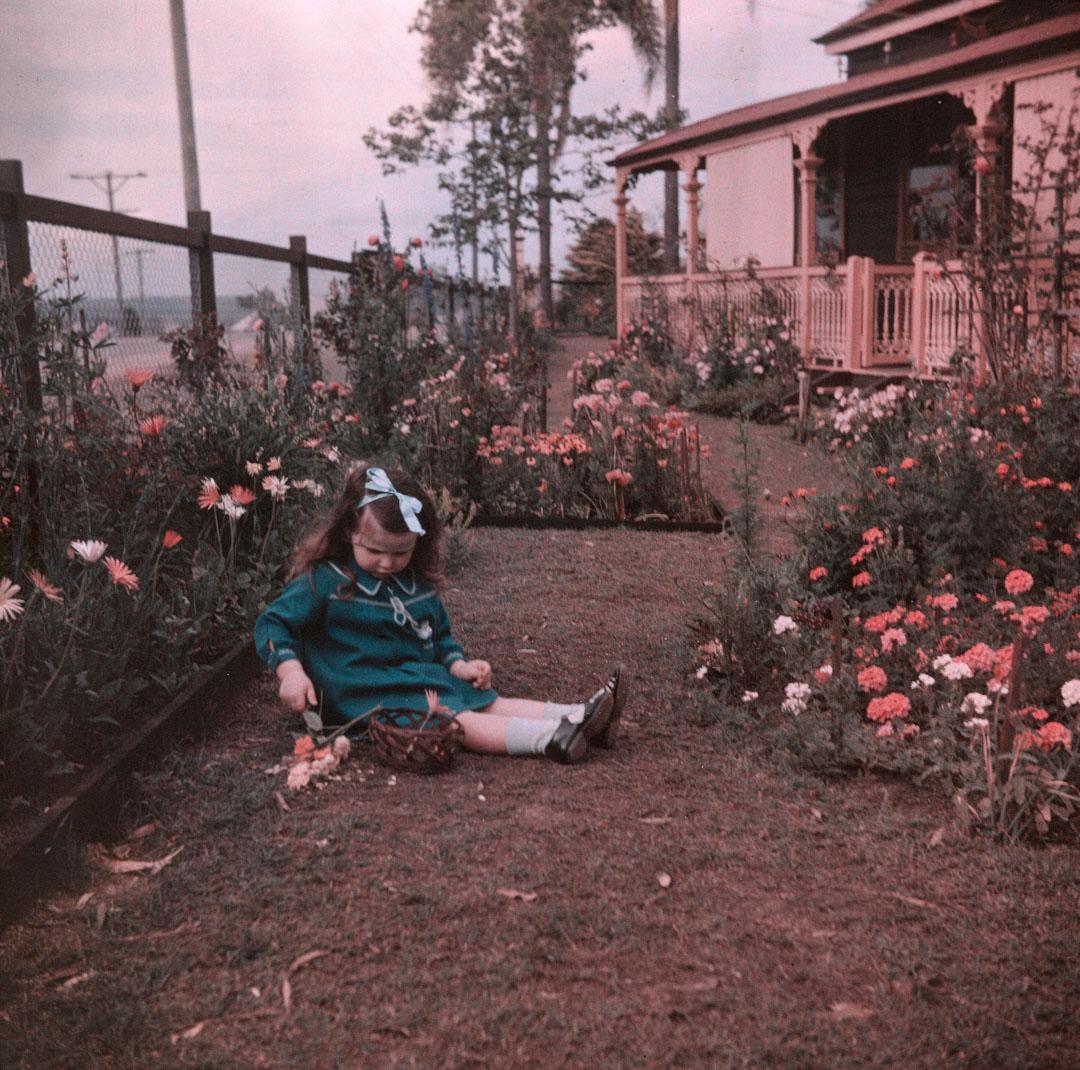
x: 556, y: 711
x: 526, y: 735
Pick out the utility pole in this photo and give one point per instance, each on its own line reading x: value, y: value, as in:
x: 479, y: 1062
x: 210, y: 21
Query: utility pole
x: 113, y: 184
x: 192, y: 200
x: 139, y: 253
x: 671, y: 116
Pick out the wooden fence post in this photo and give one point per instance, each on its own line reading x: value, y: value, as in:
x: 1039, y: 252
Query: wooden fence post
x: 853, y: 312
x: 869, y: 314
x: 203, y: 295
x: 300, y: 302
x: 16, y: 256
x: 15, y: 249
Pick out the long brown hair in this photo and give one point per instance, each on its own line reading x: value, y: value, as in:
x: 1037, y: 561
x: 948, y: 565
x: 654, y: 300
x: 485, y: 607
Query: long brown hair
x: 331, y: 539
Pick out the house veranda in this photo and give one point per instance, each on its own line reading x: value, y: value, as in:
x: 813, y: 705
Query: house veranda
x: 843, y: 197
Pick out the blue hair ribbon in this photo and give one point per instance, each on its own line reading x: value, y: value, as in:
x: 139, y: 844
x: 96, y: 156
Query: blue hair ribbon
x: 378, y: 485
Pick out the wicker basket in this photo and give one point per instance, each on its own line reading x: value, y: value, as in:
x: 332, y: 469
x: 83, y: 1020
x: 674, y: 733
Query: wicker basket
x: 415, y: 741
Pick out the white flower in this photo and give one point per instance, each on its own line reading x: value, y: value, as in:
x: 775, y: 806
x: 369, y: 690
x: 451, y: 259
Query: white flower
x: 405, y: 428
x: 90, y: 550
x: 341, y: 747
x: 758, y: 369
x: 784, y: 624
x: 957, y: 670
x: 1070, y: 693
x: 253, y: 468
x: 794, y: 706
x: 825, y: 670
x: 277, y: 486
x: 10, y: 606
x: 230, y: 508
x: 749, y: 696
x: 997, y: 687
x: 924, y: 680
x: 977, y: 722
x: 700, y: 671
x: 942, y: 660
x: 975, y: 702
x: 332, y: 454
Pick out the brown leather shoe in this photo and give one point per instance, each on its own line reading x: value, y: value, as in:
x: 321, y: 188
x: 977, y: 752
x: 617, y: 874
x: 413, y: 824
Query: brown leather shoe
x: 618, y: 687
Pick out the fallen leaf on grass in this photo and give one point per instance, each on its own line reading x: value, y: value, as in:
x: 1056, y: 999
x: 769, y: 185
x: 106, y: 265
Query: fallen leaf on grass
x: 655, y: 820
x: 936, y: 837
x: 78, y: 979
x: 816, y: 814
x: 129, y: 865
x: 282, y: 804
x: 143, y: 831
x: 286, y: 994
x: 664, y: 880
x: 913, y: 902
x: 83, y: 900
x: 513, y: 893
x: 188, y: 1034
x: 850, y: 1011
x: 302, y: 960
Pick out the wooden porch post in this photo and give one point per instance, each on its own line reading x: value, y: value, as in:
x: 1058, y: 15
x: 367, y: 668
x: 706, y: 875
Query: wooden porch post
x: 808, y: 169
x: 919, y: 311
x: 689, y: 166
x: 620, y: 251
x: 853, y: 309
x: 987, y: 137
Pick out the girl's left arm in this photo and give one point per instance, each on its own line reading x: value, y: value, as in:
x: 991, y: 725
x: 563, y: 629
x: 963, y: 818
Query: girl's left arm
x: 447, y: 648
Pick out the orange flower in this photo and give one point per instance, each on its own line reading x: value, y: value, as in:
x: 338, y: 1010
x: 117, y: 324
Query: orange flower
x: 873, y: 536
x: 1052, y: 733
x: 872, y: 678
x: 947, y: 602
x: 241, y: 495
x: 170, y: 539
x: 49, y: 590
x: 153, y: 425
x: 909, y: 462
x: 818, y: 573
x: 888, y: 706
x: 1018, y: 581
x: 304, y: 746
x: 861, y: 579
x: 121, y: 575
x: 138, y: 377
x: 210, y: 494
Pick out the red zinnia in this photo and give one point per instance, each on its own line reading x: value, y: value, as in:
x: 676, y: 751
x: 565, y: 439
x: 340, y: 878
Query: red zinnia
x: 121, y: 575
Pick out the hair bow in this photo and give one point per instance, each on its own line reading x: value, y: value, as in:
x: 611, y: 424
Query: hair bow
x: 378, y: 486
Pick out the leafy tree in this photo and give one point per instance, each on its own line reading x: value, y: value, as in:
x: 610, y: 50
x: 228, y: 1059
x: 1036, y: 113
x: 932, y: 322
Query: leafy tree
x: 588, y: 283
x: 552, y: 36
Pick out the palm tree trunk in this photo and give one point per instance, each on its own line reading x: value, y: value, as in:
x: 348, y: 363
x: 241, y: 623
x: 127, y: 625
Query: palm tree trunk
x: 671, y: 113
x: 543, y: 209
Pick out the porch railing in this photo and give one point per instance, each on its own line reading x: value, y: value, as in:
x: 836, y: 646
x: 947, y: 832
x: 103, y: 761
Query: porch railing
x: 906, y: 319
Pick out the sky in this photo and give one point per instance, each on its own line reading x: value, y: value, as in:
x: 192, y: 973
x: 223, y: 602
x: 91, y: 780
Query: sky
x: 285, y: 89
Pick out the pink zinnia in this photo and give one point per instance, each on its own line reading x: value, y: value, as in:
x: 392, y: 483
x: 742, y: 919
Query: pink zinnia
x: 41, y: 582
x: 861, y: 579
x: 818, y: 573
x: 210, y: 494
x: 171, y: 538
x: 138, y: 377
x: 241, y: 495
x: 153, y: 425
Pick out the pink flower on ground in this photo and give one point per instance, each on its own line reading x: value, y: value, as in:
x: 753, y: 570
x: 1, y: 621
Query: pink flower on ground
x: 121, y: 575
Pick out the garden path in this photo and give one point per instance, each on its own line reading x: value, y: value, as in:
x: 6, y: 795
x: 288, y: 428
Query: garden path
x: 685, y: 900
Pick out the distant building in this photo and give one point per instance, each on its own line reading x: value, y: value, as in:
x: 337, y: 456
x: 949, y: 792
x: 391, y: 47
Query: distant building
x: 857, y: 176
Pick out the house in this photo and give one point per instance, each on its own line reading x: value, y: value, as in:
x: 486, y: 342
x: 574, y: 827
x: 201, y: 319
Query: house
x: 841, y: 194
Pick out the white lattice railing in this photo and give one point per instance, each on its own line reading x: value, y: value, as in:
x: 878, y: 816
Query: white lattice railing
x: 906, y: 318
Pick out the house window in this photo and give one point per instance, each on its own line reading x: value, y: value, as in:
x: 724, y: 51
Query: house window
x: 930, y: 201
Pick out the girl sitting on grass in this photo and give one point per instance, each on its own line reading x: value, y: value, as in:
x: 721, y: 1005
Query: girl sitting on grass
x: 361, y: 625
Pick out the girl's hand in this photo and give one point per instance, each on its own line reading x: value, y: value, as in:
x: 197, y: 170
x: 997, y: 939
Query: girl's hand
x: 296, y: 689
x: 477, y: 672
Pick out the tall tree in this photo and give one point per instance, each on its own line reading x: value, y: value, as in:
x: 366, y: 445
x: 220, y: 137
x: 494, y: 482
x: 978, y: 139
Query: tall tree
x: 672, y: 116
x: 553, y: 33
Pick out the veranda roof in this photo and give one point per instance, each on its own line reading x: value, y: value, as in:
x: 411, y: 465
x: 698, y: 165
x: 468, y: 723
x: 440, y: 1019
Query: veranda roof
x: 1030, y: 42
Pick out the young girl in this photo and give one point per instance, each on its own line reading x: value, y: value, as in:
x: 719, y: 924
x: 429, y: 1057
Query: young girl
x: 361, y: 625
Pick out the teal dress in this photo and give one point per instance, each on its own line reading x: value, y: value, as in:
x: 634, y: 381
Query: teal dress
x: 367, y: 642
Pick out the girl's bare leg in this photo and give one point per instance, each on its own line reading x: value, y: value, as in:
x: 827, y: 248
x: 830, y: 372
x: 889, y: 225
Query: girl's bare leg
x: 484, y: 733
x: 517, y: 707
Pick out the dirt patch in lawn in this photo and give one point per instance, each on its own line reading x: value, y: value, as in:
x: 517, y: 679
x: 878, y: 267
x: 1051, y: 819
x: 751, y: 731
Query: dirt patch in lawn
x: 684, y: 901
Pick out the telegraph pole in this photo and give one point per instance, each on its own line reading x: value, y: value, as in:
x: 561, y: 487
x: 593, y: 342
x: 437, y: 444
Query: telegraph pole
x: 192, y: 200
x: 113, y: 184
x: 139, y: 253
x: 671, y: 116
